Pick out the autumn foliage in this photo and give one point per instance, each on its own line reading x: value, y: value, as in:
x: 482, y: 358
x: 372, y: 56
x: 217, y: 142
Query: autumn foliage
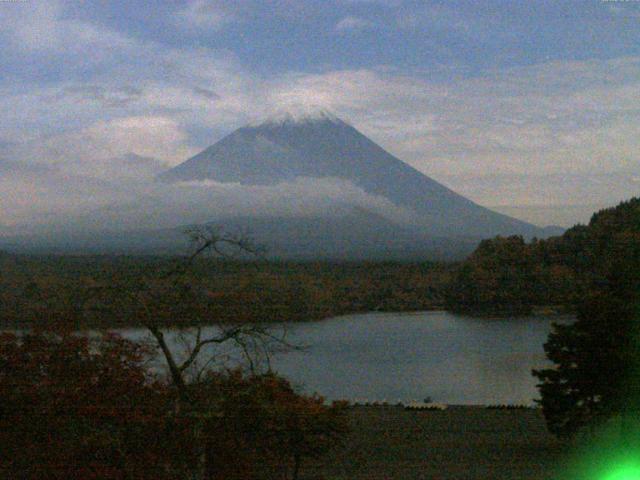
x: 263, y: 429
x: 48, y: 290
x: 507, y: 275
x: 72, y: 407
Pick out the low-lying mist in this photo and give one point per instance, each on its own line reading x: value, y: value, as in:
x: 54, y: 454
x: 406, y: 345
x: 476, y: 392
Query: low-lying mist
x: 72, y: 206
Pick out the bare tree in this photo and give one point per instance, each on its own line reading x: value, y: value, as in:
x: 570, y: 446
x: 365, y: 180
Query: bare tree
x: 165, y: 298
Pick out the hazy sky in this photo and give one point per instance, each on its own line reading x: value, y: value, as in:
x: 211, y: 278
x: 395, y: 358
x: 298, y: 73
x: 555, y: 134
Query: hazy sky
x: 526, y: 105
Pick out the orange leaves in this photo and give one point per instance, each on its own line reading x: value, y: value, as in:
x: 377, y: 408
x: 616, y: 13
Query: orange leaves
x: 73, y: 407
x: 264, y: 426
x: 76, y: 408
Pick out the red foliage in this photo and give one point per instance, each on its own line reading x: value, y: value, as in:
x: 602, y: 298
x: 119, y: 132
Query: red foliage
x: 264, y: 429
x: 76, y: 408
x: 72, y: 408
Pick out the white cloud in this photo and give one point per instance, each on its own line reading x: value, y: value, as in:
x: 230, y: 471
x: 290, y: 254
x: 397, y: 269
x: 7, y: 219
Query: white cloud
x: 41, y: 27
x: 625, y: 9
x: 210, y: 14
x: 441, y: 17
x: 149, y: 136
x: 353, y: 24
x: 565, y: 194
x: 82, y: 150
x: 515, y: 114
x: 302, y: 196
x: 130, y: 96
x: 140, y: 205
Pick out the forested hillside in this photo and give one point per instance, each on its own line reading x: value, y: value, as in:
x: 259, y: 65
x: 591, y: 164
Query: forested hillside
x: 508, y: 275
x: 503, y: 276
x: 82, y: 290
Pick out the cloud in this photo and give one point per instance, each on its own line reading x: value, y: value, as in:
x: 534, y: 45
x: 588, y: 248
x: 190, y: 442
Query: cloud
x: 151, y: 136
x: 441, y: 18
x: 84, y: 150
x: 561, y: 196
x: 535, y: 123
x: 206, y: 93
x: 533, y: 111
x: 206, y: 14
x: 33, y: 194
x: 625, y: 9
x: 150, y: 205
x: 118, y: 96
x: 302, y: 196
x: 41, y: 27
x: 108, y: 95
x: 353, y: 24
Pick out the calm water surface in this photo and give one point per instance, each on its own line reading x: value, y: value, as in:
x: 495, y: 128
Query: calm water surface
x: 397, y: 356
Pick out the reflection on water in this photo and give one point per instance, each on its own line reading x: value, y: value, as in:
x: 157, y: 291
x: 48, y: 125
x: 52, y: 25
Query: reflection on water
x: 390, y: 356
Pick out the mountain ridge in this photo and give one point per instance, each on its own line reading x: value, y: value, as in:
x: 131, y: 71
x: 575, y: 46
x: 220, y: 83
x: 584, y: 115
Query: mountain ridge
x: 318, y: 145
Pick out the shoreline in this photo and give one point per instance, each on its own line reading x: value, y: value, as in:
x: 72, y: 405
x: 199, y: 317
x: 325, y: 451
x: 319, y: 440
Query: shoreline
x: 543, y: 312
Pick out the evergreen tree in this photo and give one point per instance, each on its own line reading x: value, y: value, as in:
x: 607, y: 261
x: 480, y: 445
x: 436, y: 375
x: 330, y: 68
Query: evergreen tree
x: 596, y: 359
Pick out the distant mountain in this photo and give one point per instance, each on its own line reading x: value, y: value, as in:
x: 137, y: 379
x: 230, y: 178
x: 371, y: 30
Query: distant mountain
x: 305, y: 187
x: 320, y: 145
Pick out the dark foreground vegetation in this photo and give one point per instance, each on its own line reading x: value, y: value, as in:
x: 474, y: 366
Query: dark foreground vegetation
x: 74, y: 408
x: 79, y: 409
x: 595, y: 376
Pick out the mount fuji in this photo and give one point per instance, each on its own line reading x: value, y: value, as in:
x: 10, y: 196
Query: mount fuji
x: 303, y: 185
x: 319, y: 145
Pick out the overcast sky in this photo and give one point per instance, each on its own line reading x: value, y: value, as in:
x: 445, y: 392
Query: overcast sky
x: 532, y: 106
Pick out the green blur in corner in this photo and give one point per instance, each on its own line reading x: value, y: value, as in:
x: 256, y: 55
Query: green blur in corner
x: 625, y: 471
x: 611, y: 453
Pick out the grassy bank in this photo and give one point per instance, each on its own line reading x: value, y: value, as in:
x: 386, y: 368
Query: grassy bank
x: 461, y: 443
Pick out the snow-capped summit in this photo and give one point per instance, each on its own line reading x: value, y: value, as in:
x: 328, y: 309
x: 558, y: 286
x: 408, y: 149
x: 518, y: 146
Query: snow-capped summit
x: 296, y: 114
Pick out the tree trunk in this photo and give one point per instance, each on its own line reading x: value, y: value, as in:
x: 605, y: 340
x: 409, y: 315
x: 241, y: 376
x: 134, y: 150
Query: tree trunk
x: 296, y: 466
x: 174, y: 370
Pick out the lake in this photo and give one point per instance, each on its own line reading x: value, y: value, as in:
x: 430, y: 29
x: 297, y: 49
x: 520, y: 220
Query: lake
x: 451, y: 358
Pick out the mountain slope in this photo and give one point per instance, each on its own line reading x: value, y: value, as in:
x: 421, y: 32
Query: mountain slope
x: 321, y: 146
